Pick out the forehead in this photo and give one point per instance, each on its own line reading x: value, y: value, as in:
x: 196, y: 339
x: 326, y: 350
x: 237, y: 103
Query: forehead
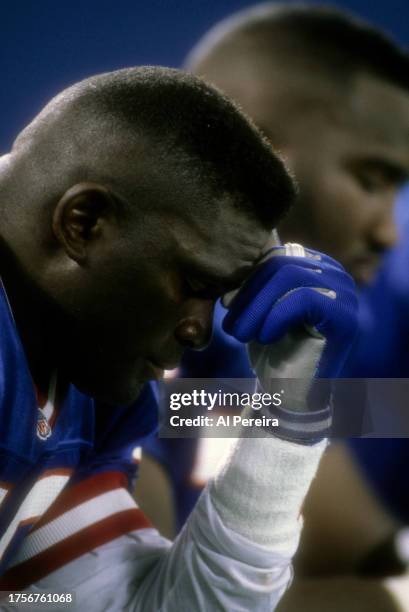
x: 367, y: 116
x: 372, y: 121
x: 380, y: 110
x: 371, y: 126
x: 224, y: 244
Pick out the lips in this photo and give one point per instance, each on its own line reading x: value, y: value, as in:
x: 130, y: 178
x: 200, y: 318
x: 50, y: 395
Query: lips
x: 151, y: 371
x: 155, y: 370
x: 166, y: 364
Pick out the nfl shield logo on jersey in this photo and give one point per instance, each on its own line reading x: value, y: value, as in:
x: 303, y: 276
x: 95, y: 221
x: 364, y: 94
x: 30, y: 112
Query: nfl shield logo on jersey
x: 43, y: 427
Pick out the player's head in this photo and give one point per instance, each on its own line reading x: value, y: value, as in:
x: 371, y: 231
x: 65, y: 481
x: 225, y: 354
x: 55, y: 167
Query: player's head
x: 333, y: 94
x: 126, y: 205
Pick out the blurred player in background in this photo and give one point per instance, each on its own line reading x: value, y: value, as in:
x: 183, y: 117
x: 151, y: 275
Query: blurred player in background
x: 332, y: 94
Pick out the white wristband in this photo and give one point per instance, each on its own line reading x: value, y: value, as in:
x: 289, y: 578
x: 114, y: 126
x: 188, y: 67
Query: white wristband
x: 260, y: 488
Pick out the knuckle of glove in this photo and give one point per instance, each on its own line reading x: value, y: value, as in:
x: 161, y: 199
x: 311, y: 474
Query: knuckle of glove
x: 244, y: 322
x: 288, y: 291
x: 326, y: 260
x: 340, y: 321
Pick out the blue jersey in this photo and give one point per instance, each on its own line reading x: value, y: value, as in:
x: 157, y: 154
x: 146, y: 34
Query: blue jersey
x: 56, y: 456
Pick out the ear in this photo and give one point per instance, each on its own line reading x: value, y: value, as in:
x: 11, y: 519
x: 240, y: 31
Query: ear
x: 81, y: 217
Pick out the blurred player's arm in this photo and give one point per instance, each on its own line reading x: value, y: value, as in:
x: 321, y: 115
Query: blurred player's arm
x: 343, y: 527
x: 346, y: 593
x: 344, y: 521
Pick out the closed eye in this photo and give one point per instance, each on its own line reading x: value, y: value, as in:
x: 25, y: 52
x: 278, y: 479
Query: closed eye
x: 201, y: 289
x: 373, y: 181
x: 376, y: 175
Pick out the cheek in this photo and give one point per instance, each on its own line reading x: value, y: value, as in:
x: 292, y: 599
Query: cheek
x: 336, y: 212
x: 146, y: 299
x: 151, y: 318
x: 329, y: 213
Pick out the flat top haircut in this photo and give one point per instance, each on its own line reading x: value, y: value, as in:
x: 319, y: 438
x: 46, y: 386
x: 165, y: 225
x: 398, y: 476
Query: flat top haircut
x: 114, y: 127
x: 307, y: 45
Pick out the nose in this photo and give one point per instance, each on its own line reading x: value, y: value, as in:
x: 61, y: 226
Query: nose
x: 194, y: 331
x: 384, y: 230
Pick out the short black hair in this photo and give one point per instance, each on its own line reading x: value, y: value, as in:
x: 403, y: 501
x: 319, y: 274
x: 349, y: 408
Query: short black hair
x: 339, y: 42
x: 185, y: 117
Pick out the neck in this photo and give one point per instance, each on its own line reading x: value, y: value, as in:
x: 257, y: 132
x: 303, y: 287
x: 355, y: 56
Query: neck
x: 34, y: 319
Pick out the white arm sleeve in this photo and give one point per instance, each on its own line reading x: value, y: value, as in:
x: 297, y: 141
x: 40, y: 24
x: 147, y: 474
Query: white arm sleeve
x: 234, y: 553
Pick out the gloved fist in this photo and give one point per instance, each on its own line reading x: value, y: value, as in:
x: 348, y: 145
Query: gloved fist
x: 298, y: 314
x: 303, y: 291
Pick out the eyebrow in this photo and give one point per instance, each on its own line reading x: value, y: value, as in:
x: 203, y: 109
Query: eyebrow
x: 217, y: 281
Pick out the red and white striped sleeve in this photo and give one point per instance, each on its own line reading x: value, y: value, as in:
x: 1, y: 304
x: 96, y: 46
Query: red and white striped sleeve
x: 85, y: 515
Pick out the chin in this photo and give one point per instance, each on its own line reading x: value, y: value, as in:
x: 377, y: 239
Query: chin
x: 118, y: 394
x: 113, y: 382
x: 120, y: 397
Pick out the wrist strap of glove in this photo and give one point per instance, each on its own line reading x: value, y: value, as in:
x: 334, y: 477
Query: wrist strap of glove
x: 302, y: 426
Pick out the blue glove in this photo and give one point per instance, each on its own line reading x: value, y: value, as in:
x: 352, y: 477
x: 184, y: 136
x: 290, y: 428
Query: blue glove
x: 298, y: 313
x: 288, y: 292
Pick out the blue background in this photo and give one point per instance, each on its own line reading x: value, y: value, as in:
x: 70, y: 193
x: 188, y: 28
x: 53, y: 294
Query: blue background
x: 49, y: 44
